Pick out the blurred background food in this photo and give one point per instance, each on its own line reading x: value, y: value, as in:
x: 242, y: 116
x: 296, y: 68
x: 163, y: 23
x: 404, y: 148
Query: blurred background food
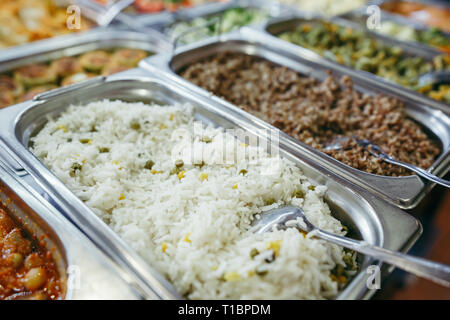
x: 152, y: 6
x: 23, y: 21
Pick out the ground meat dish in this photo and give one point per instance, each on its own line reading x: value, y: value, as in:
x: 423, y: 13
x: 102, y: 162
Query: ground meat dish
x: 27, y: 269
x: 316, y: 112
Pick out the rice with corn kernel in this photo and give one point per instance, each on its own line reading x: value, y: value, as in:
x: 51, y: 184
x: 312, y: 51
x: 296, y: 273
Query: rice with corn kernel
x: 189, y: 216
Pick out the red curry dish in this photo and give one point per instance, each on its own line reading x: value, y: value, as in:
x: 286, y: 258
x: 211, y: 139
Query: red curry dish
x: 27, y: 268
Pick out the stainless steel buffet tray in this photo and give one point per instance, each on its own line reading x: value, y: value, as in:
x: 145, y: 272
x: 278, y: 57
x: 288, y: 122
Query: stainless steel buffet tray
x: 164, y: 23
x: 277, y: 26
x: 405, y: 192
x: 75, y: 44
x: 87, y: 273
x: 367, y: 217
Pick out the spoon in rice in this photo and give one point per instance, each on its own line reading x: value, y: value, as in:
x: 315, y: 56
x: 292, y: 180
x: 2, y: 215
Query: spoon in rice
x: 339, y: 142
x: 287, y: 217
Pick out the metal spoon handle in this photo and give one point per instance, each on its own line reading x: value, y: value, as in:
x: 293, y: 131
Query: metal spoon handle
x: 423, y: 173
x: 437, y: 272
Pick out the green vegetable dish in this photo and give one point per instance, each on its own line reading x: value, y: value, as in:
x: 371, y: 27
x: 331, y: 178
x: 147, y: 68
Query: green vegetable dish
x: 357, y: 50
x: 231, y: 19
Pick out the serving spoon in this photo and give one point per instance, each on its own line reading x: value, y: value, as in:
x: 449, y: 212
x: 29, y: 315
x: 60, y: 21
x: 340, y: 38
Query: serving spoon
x: 278, y: 218
x: 376, y: 151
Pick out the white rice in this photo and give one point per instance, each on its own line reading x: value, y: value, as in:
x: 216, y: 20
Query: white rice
x: 193, y: 232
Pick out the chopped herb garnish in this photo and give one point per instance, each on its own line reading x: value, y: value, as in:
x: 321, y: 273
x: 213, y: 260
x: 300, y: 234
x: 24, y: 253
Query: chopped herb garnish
x: 149, y: 165
x: 135, y: 125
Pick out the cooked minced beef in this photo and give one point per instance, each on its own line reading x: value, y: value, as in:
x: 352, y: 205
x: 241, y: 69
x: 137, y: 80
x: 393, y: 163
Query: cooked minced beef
x: 315, y: 112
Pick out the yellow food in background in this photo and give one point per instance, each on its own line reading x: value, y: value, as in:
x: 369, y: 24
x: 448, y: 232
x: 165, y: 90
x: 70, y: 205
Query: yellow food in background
x: 23, y: 21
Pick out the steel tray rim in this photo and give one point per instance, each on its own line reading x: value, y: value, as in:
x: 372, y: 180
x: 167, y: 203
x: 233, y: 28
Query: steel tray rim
x: 425, y: 52
x: 77, y: 248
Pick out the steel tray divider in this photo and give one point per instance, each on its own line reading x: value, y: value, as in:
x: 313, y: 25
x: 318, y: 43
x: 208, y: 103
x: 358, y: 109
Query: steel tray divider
x: 260, y: 31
